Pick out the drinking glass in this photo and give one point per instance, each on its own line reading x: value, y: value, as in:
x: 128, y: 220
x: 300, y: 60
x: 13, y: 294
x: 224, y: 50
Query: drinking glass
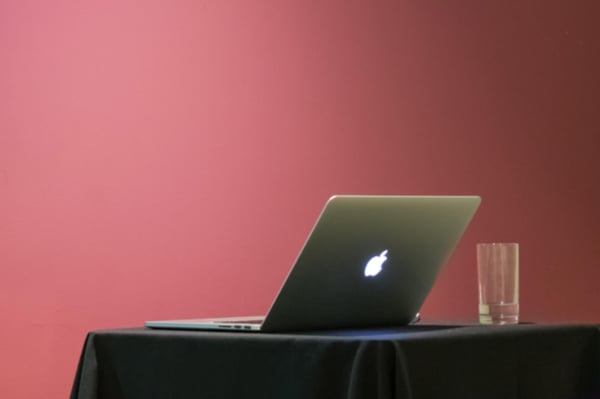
x: 498, y: 277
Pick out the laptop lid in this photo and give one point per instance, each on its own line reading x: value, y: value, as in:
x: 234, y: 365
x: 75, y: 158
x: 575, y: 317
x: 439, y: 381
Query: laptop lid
x: 369, y: 261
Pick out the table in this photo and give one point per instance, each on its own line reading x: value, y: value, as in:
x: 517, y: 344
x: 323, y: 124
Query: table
x: 428, y: 361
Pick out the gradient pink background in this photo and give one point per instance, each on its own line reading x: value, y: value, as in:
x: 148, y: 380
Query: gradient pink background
x: 167, y: 159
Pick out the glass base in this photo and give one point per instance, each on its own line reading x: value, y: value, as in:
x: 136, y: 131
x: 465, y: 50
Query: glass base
x: 498, y: 320
x: 499, y: 313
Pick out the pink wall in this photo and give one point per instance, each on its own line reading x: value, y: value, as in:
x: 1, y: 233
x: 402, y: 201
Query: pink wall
x: 167, y: 160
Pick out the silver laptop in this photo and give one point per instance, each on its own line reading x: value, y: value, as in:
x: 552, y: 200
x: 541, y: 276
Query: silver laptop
x: 369, y: 261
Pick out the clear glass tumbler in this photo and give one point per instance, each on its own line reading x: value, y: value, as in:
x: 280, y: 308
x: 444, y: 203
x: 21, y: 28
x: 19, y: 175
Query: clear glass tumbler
x: 498, y: 277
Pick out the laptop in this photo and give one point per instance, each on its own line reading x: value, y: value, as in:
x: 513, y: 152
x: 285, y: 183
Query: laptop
x: 369, y: 261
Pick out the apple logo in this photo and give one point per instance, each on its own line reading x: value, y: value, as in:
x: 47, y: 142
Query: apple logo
x: 375, y: 264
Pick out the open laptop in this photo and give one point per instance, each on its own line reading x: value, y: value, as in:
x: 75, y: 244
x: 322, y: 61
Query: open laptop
x: 369, y: 261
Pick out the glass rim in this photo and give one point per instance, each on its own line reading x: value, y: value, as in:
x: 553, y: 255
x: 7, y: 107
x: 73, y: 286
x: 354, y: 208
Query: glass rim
x: 497, y: 243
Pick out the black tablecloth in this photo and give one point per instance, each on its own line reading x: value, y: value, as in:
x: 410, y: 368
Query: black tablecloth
x: 525, y: 361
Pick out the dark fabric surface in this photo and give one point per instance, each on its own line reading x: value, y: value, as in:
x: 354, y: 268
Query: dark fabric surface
x: 525, y: 361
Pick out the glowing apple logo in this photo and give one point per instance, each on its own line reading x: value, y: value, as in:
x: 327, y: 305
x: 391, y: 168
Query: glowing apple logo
x: 375, y: 264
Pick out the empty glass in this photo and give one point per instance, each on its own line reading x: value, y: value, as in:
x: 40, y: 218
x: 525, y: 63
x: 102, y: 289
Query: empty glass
x: 498, y: 277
